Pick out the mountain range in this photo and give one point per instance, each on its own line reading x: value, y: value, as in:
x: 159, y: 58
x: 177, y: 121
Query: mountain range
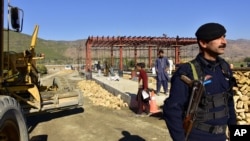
x: 64, y: 52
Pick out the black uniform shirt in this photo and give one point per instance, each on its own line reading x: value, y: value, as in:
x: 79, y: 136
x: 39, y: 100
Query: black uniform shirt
x: 174, y: 107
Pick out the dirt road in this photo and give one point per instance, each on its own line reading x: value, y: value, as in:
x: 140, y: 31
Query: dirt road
x: 95, y: 123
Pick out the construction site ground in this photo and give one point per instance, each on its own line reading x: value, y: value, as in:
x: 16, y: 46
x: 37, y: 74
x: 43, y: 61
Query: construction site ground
x: 98, y: 123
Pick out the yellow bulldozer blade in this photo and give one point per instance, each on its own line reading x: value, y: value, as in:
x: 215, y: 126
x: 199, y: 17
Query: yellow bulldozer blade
x: 34, y: 37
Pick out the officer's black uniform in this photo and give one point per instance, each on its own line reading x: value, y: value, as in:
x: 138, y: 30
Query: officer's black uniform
x: 214, y: 110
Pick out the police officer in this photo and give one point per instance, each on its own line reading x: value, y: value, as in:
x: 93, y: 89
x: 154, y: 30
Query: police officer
x: 216, y: 108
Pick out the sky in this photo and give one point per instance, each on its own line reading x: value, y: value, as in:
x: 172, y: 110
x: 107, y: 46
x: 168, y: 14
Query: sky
x: 79, y: 19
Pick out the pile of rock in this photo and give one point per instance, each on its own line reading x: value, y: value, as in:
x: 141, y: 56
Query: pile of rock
x: 126, y: 76
x: 241, y: 98
x: 100, y: 96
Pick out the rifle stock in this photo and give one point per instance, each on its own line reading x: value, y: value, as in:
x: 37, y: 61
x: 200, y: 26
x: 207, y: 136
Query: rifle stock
x: 196, y: 94
x: 187, y: 80
x: 187, y: 125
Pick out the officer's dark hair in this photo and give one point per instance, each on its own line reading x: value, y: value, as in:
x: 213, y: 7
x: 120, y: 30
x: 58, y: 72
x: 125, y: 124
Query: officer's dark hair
x: 160, y: 51
x: 142, y: 65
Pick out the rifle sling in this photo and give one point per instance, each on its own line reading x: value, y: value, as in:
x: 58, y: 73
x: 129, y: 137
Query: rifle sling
x: 195, y: 74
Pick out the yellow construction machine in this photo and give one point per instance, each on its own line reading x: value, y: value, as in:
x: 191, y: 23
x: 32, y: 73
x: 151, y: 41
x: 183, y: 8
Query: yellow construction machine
x: 22, y: 82
x: 21, y: 91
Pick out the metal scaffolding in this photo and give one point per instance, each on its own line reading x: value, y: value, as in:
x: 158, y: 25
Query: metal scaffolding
x: 121, y: 43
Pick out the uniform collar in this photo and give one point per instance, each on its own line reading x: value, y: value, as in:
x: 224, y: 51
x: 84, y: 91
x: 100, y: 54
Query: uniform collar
x: 208, y: 63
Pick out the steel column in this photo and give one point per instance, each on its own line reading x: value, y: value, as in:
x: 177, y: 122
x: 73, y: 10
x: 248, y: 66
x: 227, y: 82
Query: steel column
x: 112, y: 57
x: 135, y: 53
x: 88, y: 55
x: 177, y: 54
x: 150, y: 56
x: 121, y: 59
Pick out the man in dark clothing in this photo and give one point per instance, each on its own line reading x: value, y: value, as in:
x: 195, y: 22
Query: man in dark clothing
x: 161, y: 68
x: 216, y: 108
x: 98, y: 67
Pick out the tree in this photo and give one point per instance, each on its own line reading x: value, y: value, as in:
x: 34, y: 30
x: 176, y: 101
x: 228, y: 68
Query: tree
x: 247, y: 59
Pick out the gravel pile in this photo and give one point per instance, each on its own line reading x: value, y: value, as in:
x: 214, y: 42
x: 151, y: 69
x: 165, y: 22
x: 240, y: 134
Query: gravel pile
x: 99, y: 96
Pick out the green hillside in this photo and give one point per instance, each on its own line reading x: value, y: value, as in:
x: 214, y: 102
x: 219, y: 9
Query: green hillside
x: 72, y: 52
x: 18, y: 42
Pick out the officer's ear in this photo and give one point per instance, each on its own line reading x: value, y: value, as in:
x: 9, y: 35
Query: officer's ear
x: 203, y: 44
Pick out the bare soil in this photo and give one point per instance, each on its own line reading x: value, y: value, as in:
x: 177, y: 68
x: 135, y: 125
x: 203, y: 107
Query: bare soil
x: 96, y: 123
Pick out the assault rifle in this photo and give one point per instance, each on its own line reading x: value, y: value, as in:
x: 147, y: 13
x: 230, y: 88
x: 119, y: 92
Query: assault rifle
x: 196, y: 94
